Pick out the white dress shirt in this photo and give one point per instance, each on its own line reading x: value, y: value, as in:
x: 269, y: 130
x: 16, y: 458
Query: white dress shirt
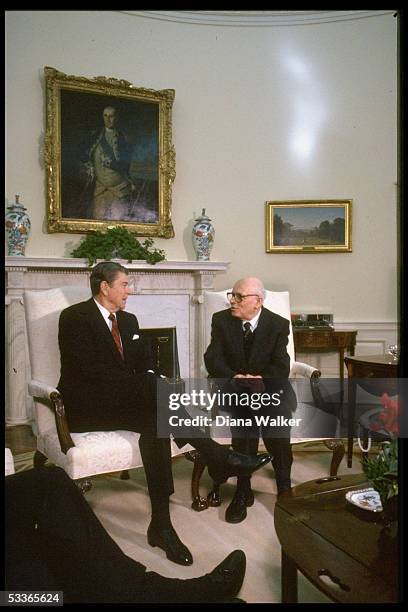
x: 253, y: 322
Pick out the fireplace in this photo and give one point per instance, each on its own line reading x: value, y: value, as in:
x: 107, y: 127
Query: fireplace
x: 166, y: 294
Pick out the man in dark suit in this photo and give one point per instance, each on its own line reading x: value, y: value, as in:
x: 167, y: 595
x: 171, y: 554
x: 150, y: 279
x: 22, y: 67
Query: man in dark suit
x: 108, y: 382
x: 248, y: 351
x: 56, y: 543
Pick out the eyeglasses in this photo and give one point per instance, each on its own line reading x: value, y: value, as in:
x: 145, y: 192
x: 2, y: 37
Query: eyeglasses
x: 238, y: 297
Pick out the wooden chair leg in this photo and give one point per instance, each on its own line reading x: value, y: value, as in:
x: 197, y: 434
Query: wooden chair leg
x: 337, y: 446
x: 198, y: 503
x: 39, y: 459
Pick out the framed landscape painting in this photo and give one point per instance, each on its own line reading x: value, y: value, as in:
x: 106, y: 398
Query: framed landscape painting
x: 109, y: 155
x: 308, y: 226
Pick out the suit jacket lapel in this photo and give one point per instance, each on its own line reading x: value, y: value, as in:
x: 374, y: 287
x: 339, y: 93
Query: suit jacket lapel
x: 101, y: 329
x: 125, y: 333
x: 237, y: 337
x: 261, y: 335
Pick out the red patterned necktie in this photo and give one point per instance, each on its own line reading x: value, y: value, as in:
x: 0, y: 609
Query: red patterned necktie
x: 115, y: 333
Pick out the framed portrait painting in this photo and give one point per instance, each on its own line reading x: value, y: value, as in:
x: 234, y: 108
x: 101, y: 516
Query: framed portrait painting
x: 109, y: 155
x: 308, y: 226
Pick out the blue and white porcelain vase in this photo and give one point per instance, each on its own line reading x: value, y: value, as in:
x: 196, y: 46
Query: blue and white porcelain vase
x: 18, y: 228
x: 203, y: 237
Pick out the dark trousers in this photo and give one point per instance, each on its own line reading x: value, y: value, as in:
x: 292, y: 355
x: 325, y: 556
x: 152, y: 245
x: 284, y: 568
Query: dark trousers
x: 135, y: 409
x: 54, y: 542
x: 279, y: 448
x: 276, y: 439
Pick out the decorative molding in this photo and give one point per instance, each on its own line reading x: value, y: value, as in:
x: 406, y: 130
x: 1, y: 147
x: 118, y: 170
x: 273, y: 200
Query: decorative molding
x: 256, y: 18
x: 72, y: 263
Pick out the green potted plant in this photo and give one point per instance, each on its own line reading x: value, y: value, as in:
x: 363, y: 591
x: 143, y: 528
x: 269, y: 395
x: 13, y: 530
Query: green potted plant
x: 382, y: 471
x: 117, y: 242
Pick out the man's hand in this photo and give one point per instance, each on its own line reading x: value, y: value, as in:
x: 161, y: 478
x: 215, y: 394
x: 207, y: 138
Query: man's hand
x: 253, y: 382
x: 247, y: 376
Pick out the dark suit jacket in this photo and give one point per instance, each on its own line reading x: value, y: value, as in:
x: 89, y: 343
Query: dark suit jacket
x: 97, y: 385
x: 225, y: 355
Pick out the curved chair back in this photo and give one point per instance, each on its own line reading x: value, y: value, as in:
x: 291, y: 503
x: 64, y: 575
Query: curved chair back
x: 42, y: 310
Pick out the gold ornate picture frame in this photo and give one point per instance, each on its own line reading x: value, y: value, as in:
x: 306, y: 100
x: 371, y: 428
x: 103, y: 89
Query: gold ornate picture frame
x: 109, y: 155
x: 308, y: 226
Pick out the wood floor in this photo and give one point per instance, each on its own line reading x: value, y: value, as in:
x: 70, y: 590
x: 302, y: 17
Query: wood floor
x: 20, y: 439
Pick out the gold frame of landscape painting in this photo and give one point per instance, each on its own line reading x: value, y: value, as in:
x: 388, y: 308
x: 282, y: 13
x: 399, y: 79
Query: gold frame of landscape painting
x: 102, y: 174
x: 308, y: 226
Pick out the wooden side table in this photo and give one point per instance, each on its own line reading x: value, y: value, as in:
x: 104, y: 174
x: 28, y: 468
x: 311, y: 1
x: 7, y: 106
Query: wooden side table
x: 339, y: 550
x: 326, y: 340
x: 361, y: 371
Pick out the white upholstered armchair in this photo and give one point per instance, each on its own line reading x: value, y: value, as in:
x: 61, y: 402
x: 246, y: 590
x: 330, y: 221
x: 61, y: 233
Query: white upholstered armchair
x: 310, y: 407
x: 81, y: 455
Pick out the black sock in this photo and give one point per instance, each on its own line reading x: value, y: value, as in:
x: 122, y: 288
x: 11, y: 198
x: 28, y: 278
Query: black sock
x: 160, y: 513
x: 243, y: 484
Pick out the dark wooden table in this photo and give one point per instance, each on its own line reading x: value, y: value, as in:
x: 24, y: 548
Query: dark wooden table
x: 326, y: 340
x: 335, y: 545
x: 364, y: 371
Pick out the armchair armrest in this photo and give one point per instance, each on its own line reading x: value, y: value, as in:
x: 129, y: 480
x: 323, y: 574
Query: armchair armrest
x: 303, y: 369
x: 37, y: 388
x: 43, y: 391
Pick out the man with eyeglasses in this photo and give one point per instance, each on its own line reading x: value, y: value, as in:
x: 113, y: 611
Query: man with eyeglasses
x: 248, y: 351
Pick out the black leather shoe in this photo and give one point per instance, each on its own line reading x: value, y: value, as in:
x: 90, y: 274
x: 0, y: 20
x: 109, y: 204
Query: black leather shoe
x: 226, y: 579
x: 168, y: 540
x: 237, y: 510
x: 219, y: 586
x: 239, y: 464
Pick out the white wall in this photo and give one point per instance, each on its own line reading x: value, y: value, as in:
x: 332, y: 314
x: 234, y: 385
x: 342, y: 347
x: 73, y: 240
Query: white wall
x: 261, y: 113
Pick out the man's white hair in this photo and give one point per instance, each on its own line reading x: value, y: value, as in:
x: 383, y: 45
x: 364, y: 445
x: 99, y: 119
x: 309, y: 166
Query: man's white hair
x: 256, y: 283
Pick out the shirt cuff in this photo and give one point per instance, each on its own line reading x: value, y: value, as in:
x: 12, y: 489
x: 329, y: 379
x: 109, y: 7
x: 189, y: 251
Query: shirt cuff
x: 153, y: 372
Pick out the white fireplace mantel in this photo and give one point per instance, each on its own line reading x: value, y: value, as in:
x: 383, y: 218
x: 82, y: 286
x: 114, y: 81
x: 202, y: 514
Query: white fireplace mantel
x: 167, y: 293
x: 73, y: 263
